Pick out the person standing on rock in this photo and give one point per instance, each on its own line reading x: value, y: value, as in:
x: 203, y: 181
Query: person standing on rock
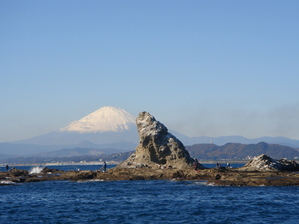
x: 104, y: 167
x: 7, y: 167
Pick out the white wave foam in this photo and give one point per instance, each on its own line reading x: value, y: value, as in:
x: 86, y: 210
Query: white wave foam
x: 36, y: 170
x: 93, y: 180
x: 201, y: 183
x: 6, y: 182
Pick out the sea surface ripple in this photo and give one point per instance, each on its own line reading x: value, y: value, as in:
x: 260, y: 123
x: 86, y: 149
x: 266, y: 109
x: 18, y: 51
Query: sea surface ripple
x: 146, y: 201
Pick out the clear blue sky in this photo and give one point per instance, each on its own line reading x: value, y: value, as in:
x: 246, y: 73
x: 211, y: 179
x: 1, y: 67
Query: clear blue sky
x: 203, y: 68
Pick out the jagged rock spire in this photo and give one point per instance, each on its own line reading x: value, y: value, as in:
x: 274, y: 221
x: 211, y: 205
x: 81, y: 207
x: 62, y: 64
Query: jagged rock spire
x: 157, y: 146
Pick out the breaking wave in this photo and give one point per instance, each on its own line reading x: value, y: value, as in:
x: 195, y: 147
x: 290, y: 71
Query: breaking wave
x: 36, y: 170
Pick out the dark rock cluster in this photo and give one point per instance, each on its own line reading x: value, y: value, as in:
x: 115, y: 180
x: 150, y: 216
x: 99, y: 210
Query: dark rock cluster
x: 266, y: 163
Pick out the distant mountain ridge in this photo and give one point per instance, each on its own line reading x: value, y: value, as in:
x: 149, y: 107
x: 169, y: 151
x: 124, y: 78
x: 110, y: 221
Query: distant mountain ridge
x: 203, y: 152
x: 222, y: 140
x: 72, y: 152
x: 116, y: 157
x: 237, y: 151
x: 74, y: 138
x: 12, y: 150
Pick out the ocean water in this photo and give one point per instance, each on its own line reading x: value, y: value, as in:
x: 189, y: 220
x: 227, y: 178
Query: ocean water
x: 152, y: 201
x: 146, y: 201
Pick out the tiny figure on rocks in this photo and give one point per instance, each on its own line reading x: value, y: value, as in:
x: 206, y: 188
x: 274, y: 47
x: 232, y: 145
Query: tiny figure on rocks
x: 104, y: 167
x: 7, y: 167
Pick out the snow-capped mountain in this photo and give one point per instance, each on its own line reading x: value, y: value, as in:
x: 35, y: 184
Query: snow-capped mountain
x: 102, y: 120
x: 104, y: 126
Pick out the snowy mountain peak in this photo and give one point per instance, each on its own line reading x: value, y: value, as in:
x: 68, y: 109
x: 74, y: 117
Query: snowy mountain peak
x: 102, y: 120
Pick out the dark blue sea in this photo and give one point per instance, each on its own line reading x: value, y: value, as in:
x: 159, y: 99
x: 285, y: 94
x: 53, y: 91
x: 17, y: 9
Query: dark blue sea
x: 153, y: 201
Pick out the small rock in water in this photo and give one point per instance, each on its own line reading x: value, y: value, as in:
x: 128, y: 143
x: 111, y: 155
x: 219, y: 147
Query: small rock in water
x: 266, y: 163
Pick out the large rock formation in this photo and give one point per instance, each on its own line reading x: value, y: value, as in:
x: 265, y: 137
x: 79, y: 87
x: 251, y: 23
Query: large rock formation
x: 266, y: 163
x: 157, y: 147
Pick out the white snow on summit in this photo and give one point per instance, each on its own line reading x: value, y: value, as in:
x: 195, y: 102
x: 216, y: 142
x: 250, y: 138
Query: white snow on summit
x: 102, y: 120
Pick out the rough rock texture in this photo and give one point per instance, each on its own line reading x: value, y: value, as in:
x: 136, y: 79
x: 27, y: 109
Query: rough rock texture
x: 16, y: 172
x: 235, y: 177
x: 214, y: 176
x: 266, y: 163
x: 157, y: 147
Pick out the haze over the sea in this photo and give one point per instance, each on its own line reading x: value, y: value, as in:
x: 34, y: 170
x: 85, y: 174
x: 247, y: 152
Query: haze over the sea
x: 203, y: 68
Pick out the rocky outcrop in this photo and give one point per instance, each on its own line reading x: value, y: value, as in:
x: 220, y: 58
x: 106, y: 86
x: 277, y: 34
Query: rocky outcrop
x: 17, y: 173
x: 214, y: 176
x: 266, y: 163
x: 157, y: 147
x: 47, y: 170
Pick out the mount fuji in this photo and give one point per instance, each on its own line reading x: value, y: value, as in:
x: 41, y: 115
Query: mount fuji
x: 104, y: 126
x: 109, y: 127
x: 105, y: 119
